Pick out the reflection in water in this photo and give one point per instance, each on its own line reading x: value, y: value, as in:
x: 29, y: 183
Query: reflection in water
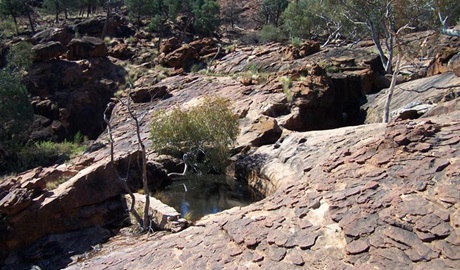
x: 198, y: 195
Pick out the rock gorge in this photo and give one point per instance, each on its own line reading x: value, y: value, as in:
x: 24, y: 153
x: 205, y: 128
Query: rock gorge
x: 342, y: 190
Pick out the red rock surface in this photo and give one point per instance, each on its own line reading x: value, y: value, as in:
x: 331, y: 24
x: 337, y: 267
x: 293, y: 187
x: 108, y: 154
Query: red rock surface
x: 365, y: 197
x: 369, y: 196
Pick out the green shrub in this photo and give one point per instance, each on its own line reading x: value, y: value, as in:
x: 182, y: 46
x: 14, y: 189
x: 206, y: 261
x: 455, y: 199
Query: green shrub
x: 24, y: 157
x: 270, y: 33
x: 296, y: 42
x: 210, y: 128
x: 286, y: 82
x: 154, y: 24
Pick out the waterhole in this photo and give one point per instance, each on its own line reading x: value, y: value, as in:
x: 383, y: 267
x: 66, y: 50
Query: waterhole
x: 195, y: 196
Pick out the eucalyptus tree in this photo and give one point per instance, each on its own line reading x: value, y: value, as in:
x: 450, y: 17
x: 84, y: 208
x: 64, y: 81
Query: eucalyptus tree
x: 231, y: 11
x: 206, y: 18
x: 139, y: 8
x: 58, y: 6
x: 15, y: 9
x: 382, y: 19
x: 271, y: 11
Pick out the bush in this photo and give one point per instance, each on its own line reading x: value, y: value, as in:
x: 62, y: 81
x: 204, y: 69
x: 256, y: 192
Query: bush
x: 270, y: 33
x: 24, y: 157
x: 286, y: 82
x: 206, y: 13
x: 210, y: 128
x: 154, y: 24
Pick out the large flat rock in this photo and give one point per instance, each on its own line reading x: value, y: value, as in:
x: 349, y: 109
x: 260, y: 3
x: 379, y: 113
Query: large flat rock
x: 419, y: 97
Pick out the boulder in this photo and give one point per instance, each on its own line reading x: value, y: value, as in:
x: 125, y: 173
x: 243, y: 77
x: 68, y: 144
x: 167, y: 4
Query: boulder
x: 182, y: 57
x: 169, y: 45
x: 47, y: 51
x: 118, y: 26
x: 305, y: 49
x: 454, y: 64
x: 440, y: 61
x: 90, y: 198
x: 57, y: 34
x: 73, y: 95
x: 147, y: 94
x: 263, y: 130
x: 85, y: 48
x: 413, y: 99
x: 121, y: 51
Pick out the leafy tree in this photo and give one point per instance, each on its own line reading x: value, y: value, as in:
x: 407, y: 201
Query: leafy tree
x: 382, y: 19
x: 271, y: 11
x: 206, y: 16
x: 163, y: 11
x: 16, y: 112
x: 139, y: 8
x: 58, y: 6
x: 53, y: 6
x: 210, y: 128
x: 271, y: 33
x: 298, y: 19
x: 13, y: 8
x: 231, y: 11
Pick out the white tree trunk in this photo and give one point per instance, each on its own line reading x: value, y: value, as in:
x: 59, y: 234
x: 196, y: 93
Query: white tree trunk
x: 386, y: 109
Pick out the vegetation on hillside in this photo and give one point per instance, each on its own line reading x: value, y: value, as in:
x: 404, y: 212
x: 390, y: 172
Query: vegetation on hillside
x: 16, y: 116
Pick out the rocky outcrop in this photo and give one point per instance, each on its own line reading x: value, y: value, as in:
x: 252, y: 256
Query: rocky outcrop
x: 369, y: 196
x: 90, y: 198
x: 86, y: 47
x: 305, y: 49
x: 117, y: 26
x: 454, y: 64
x: 121, y: 51
x: 72, y: 95
x: 441, y: 60
x: 414, y: 99
x: 47, y: 51
x: 262, y: 131
x: 58, y: 34
x: 185, y: 55
x: 147, y: 94
x: 372, y: 196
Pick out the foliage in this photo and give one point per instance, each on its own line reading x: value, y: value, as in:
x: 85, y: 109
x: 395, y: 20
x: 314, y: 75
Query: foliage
x: 298, y: 19
x: 6, y: 29
x: 286, y: 83
x: 24, y: 157
x: 13, y: 8
x: 231, y: 12
x: 271, y: 11
x: 296, y: 42
x: 15, y: 109
x: 155, y: 23
x: 210, y: 128
x: 271, y: 33
x: 206, y: 16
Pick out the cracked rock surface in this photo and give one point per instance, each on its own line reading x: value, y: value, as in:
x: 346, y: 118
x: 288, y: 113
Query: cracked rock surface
x: 374, y: 196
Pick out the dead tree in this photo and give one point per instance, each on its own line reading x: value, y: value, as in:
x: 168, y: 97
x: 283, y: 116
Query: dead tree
x: 120, y: 179
x: 445, y: 30
x: 386, y: 109
x: 146, y: 220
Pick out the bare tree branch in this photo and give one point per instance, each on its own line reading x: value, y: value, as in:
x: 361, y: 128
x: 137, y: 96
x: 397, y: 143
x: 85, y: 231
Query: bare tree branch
x: 121, y: 180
